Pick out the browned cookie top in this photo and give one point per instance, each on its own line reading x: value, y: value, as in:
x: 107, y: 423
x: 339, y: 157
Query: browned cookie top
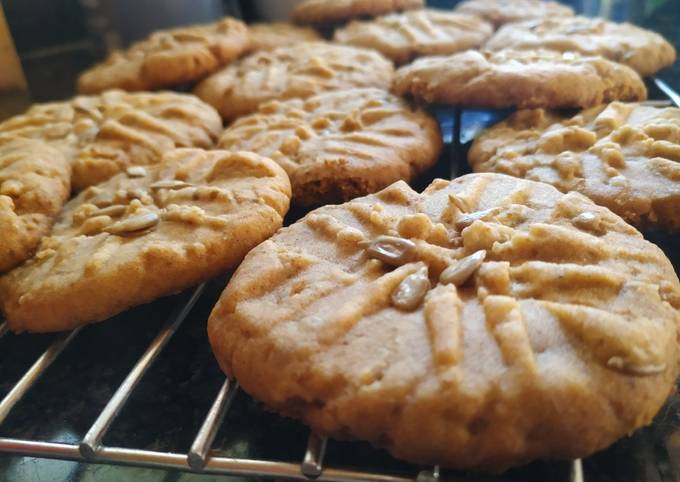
x: 483, y: 323
x: 643, y: 50
x: 268, y: 36
x: 168, y: 57
x: 296, y: 71
x: 323, y: 12
x: 522, y: 78
x: 339, y: 145
x: 34, y: 185
x: 404, y: 36
x: 500, y: 12
x: 146, y: 233
x: 623, y: 156
x: 103, y: 135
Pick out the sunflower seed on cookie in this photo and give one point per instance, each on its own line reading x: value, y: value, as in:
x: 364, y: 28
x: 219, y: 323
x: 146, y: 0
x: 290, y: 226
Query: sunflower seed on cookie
x: 117, y: 131
x: 98, y: 262
x: 551, y: 328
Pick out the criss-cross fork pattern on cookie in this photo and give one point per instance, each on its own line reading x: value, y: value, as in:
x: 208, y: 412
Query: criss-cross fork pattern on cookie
x: 146, y: 233
x: 168, y: 58
x: 623, y: 156
x: 104, y: 135
x: 561, y: 335
x: 339, y: 145
x: 401, y: 37
x: 288, y: 72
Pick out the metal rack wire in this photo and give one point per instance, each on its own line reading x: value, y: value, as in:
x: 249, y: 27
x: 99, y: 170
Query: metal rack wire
x: 200, y: 457
x: 90, y: 449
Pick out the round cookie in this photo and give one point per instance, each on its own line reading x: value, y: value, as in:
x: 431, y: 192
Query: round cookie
x: 404, y: 36
x: 103, y: 135
x: 145, y: 234
x: 34, y: 185
x: 643, y: 50
x: 168, y: 57
x: 508, y: 78
x: 622, y: 156
x: 484, y: 323
x: 296, y: 71
x: 268, y: 36
x: 324, y: 12
x: 500, y: 12
x: 339, y: 145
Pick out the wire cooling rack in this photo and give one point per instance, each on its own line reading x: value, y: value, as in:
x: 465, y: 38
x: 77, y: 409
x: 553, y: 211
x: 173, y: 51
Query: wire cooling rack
x: 94, y: 367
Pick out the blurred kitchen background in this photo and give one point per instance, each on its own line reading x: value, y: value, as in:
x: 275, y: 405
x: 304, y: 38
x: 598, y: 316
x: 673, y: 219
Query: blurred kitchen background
x: 56, y: 39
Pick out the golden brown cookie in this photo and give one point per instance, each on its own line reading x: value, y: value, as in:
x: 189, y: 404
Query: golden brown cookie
x: 297, y: 71
x: 539, y: 78
x: 34, y: 185
x: 339, y: 145
x: 643, y: 50
x: 145, y: 234
x: 404, y: 36
x: 623, y: 156
x: 268, y: 36
x: 500, y: 12
x: 168, y: 57
x: 103, y: 135
x: 484, y: 323
x: 324, y: 12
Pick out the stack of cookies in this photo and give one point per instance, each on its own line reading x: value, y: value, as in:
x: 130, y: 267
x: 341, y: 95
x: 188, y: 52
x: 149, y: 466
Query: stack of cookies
x: 511, y: 314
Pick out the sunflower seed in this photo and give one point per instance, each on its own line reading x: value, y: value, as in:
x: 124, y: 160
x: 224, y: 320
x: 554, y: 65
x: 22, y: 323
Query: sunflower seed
x: 136, y: 171
x: 170, y: 184
x: 585, y: 217
x: 459, y: 202
x: 460, y: 272
x: 391, y: 250
x: 623, y: 365
x: 410, y: 292
x: 134, y: 225
x: 115, y: 210
x: 589, y: 221
x: 467, y: 219
x: 103, y: 201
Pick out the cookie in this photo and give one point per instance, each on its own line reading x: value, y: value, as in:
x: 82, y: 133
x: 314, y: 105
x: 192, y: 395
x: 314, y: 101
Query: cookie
x: 500, y: 12
x: 296, y: 71
x: 339, y: 145
x: 623, y: 156
x: 324, y: 12
x: 168, y: 57
x: 268, y: 36
x: 539, y: 78
x: 484, y: 323
x: 404, y: 36
x: 104, y: 135
x: 34, y: 185
x: 145, y: 234
x: 643, y: 50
